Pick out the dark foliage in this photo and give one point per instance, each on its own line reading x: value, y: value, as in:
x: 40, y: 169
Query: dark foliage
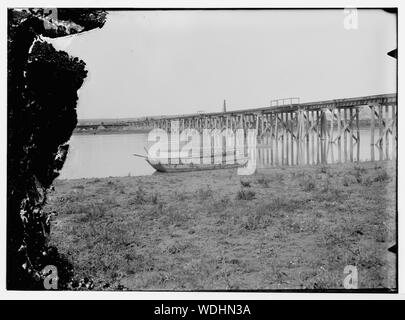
x: 42, y: 97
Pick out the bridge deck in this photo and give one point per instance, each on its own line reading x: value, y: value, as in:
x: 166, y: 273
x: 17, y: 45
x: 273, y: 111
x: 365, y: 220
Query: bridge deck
x: 382, y: 99
x: 341, y: 103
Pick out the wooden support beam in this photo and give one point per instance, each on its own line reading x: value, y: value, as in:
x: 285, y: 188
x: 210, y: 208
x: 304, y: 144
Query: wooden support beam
x: 286, y: 140
x: 387, y: 141
x: 372, y: 115
x: 318, y: 137
x: 235, y: 127
x: 276, y: 140
x: 358, y: 134
x: 331, y: 135
x: 298, y: 136
x: 266, y: 139
x: 307, y: 132
x: 169, y: 141
x: 292, y: 136
x: 345, y: 134
x: 351, y: 133
x: 283, y: 131
x: 271, y: 116
x: 323, y: 136
x: 339, y: 139
x: 394, y: 132
x: 312, y: 136
x: 381, y: 133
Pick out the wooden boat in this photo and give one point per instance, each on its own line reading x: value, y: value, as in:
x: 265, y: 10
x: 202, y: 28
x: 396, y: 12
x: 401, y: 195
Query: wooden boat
x: 181, y: 167
x: 161, y: 166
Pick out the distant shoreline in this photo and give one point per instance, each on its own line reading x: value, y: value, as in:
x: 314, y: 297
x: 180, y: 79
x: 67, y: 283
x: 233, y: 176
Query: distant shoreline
x: 111, y: 131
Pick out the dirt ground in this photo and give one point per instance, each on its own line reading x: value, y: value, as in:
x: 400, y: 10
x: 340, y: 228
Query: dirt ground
x: 283, y: 228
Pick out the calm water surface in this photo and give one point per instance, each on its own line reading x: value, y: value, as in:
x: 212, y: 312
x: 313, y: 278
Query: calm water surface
x: 97, y: 156
x: 92, y: 156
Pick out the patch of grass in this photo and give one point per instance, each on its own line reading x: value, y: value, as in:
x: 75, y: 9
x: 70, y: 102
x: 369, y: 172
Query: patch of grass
x: 263, y: 181
x: 348, y: 180
x: 154, y: 198
x: 307, y: 183
x: 291, y: 225
x: 369, y: 259
x: 360, y: 169
x: 205, y: 193
x: 264, y: 216
x: 92, y: 212
x: 325, y: 185
x: 358, y: 172
x: 275, y: 212
x: 244, y: 194
x: 278, y: 177
x: 286, y: 204
x: 330, y: 194
x: 139, y: 197
x: 320, y: 278
x: 381, y: 234
x: 180, y: 195
x: 110, y: 202
x: 245, y: 184
x: 156, y: 212
x: 252, y: 222
x: 382, y: 175
x: 358, y: 176
x: 294, y: 235
x: 69, y: 198
x: 220, y: 204
x: 73, y: 208
x: 367, y: 181
x: 377, y: 166
x: 177, y: 247
x: 323, y: 169
x: 173, y: 217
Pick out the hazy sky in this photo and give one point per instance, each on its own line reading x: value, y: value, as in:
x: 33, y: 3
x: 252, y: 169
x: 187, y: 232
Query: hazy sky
x: 172, y: 62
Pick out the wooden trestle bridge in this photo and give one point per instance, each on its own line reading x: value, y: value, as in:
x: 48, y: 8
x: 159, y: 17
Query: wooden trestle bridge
x: 293, y: 133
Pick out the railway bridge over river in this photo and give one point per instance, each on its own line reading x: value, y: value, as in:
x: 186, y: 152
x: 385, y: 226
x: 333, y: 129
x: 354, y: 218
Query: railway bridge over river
x: 293, y: 133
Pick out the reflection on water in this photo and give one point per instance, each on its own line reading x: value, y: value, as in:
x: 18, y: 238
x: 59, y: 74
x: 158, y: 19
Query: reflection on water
x: 285, y: 153
x: 99, y: 156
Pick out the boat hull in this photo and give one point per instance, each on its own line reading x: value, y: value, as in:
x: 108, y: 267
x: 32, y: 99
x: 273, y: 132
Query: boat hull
x: 179, y: 167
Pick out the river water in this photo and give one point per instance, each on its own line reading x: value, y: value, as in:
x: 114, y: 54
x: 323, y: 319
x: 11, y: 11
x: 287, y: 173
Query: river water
x: 105, y: 155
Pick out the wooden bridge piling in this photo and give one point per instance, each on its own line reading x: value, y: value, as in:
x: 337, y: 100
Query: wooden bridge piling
x: 351, y: 134
x: 380, y: 138
x: 387, y: 141
x: 393, y: 132
x: 372, y: 144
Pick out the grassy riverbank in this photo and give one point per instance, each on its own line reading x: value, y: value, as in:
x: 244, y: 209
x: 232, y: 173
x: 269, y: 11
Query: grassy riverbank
x: 284, y: 228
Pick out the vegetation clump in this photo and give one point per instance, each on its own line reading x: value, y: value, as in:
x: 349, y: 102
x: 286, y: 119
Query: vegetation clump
x: 42, y: 96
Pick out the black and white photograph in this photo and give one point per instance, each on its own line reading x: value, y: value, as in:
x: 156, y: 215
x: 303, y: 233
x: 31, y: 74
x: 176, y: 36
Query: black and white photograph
x: 201, y: 149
